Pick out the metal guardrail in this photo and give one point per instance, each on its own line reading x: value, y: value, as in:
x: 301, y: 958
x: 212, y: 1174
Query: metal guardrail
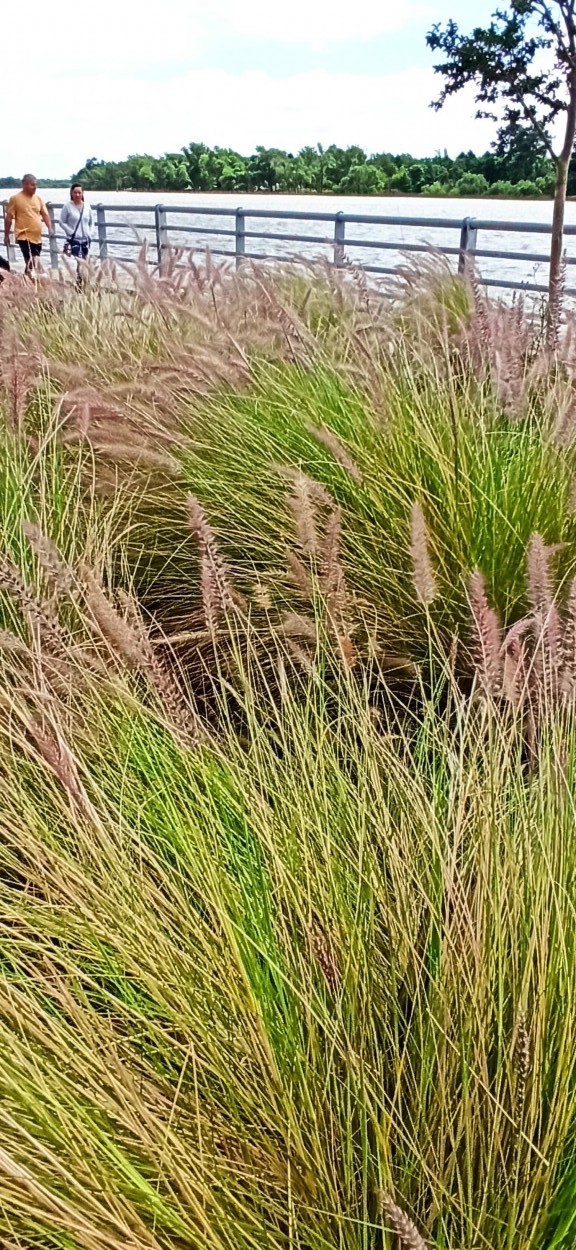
x: 163, y: 236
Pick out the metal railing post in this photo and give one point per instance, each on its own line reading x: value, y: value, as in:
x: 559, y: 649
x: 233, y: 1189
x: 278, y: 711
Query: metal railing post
x: 240, y: 236
x: 468, y: 239
x: 101, y: 227
x: 10, y: 250
x: 339, y: 239
x: 162, y: 242
x: 52, y: 240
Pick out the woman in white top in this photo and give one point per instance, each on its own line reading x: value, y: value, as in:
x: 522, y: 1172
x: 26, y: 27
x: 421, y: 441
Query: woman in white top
x: 77, y: 224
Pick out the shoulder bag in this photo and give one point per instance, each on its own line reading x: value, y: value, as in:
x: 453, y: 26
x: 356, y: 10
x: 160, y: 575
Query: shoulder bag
x: 69, y: 242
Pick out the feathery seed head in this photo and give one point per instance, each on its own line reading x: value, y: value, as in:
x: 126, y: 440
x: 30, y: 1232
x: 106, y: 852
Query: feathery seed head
x: 399, y: 1222
x: 422, y: 572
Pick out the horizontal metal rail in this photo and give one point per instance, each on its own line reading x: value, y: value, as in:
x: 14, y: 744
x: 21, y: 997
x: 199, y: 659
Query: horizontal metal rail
x: 280, y: 214
x: 166, y: 228
x: 398, y: 245
x: 522, y: 227
x: 204, y: 230
x: 541, y: 257
x: 283, y: 236
x: 130, y: 225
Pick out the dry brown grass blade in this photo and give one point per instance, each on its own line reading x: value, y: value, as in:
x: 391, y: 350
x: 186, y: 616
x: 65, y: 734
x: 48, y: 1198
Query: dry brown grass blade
x: 487, y: 637
x: 59, y: 573
x: 337, y: 450
x: 333, y: 586
x: 215, y: 581
x: 20, y: 367
x: 128, y: 639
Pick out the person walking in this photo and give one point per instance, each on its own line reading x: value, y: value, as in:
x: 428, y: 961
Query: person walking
x: 27, y: 211
x: 78, y: 226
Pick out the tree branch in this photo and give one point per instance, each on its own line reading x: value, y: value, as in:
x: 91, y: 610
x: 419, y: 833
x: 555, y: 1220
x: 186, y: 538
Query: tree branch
x: 540, y: 131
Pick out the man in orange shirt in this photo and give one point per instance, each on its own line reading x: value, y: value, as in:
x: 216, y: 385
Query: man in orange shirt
x: 27, y: 211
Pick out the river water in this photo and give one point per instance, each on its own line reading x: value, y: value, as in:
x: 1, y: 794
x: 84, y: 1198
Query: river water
x: 127, y: 228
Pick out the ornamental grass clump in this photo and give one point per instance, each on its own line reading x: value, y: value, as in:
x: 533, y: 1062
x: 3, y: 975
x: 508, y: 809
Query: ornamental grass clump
x: 246, y: 988
x: 449, y: 400
x: 287, y: 942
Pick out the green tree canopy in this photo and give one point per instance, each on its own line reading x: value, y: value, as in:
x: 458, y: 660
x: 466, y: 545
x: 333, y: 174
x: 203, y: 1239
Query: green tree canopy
x: 522, y: 69
x: 516, y: 159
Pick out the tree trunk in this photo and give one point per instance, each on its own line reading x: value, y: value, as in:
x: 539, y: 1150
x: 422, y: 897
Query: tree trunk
x: 557, y: 240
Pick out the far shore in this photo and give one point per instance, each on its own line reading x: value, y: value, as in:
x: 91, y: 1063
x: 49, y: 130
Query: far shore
x: 51, y: 185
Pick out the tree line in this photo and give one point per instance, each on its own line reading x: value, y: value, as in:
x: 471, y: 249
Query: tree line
x: 10, y: 182
x: 521, y: 168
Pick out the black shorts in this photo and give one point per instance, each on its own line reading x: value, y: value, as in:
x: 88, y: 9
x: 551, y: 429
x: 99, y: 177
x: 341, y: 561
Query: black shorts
x: 79, y: 249
x: 29, y: 249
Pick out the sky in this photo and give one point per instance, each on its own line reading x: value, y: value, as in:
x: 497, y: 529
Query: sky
x: 151, y: 78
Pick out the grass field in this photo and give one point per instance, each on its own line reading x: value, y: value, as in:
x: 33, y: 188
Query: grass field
x: 288, y: 763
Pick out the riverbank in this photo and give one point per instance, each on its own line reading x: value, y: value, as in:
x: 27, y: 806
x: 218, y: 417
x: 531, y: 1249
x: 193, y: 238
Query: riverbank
x: 8, y: 187
x: 316, y: 195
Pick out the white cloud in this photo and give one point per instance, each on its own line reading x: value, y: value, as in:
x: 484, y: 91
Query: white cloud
x: 113, y: 117
x: 129, y: 34
x: 313, y: 21
x: 108, y: 91
x: 120, y: 34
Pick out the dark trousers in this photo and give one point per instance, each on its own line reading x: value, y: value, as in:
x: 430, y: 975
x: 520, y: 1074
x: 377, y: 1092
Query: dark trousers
x: 79, y: 249
x: 29, y: 250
